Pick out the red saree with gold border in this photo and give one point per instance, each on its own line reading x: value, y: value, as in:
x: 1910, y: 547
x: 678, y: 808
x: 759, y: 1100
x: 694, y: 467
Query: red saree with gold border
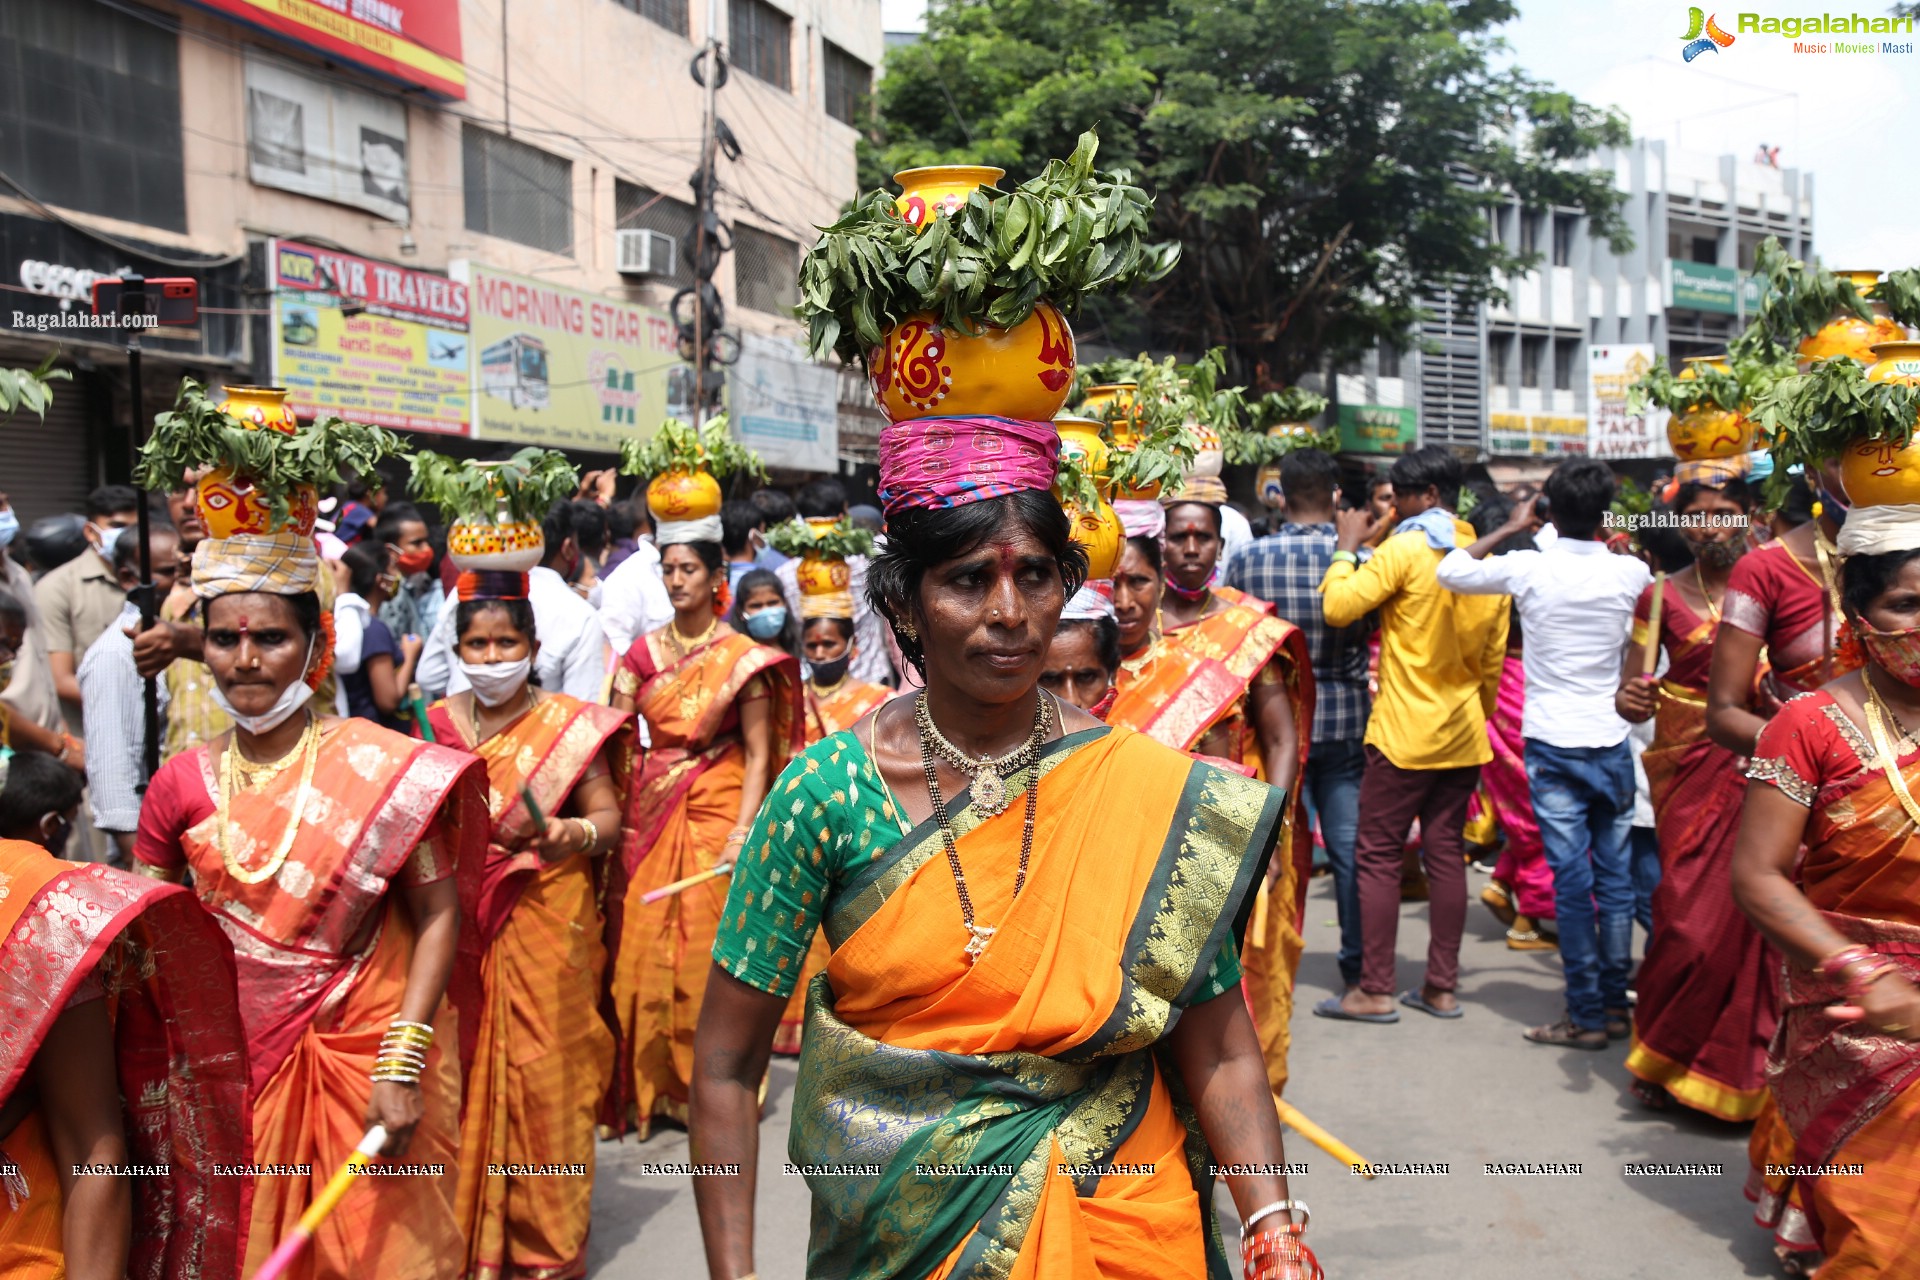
x: 1844, y: 1092
x: 323, y: 948
x: 544, y: 1052
x: 835, y: 713
x: 684, y: 799
x: 1708, y: 989
x: 71, y: 932
x: 1256, y: 648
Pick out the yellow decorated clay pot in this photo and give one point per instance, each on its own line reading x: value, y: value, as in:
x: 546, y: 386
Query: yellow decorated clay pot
x: 1705, y: 430
x: 1080, y: 441
x: 1267, y: 482
x: 261, y: 407
x: 1135, y: 494
x: 1114, y: 403
x: 1102, y: 534
x: 820, y: 526
x: 924, y: 370
x: 822, y: 576
x: 1210, y: 455
x: 230, y: 505
x: 1848, y: 335
x: 683, y: 495
x: 502, y: 543
x: 927, y: 193
x: 1878, y: 473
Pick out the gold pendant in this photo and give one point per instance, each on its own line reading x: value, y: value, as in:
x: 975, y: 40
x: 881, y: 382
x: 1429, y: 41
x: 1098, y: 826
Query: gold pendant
x: 977, y: 944
x: 990, y: 793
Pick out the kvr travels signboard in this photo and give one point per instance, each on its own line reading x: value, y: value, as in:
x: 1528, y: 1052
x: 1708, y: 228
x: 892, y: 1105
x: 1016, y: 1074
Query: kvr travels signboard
x: 561, y: 368
x: 401, y: 362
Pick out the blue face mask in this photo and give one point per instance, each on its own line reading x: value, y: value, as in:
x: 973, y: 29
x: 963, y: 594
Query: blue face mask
x: 9, y: 525
x: 768, y: 623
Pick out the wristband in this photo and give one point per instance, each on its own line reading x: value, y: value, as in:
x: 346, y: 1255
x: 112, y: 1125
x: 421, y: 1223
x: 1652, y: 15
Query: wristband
x: 1346, y: 557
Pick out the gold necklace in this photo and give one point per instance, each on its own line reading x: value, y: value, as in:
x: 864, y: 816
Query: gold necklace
x: 1148, y: 655
x: 308, y: 748
x: 683, y: 645
x: 828, y: 690
x: 473, y: 712
x: 1886, y: 749
x: 1713, y: 608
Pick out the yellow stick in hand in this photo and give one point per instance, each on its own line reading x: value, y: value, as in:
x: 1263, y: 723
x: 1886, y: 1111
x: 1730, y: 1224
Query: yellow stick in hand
x: 323, y: 1204
x: 1291, y: 1117
x: 1653, y: 624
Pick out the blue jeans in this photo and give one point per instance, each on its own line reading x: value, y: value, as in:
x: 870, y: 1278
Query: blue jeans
x: 1583, y: 800
x: 1646, y: 874
x: 1332, y: 784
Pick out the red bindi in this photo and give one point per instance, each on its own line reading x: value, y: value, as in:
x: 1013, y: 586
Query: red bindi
x: 1006, y: 557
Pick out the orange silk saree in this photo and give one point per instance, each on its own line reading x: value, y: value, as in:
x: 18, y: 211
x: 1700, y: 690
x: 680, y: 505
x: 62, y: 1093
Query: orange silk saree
x: 544, y: 1054
x: 836, y: 712
x: 1008, y: 1117
x: 683, y: 802
x: 323, y: 948
x: 1256, y: 648
x: 70, y: 933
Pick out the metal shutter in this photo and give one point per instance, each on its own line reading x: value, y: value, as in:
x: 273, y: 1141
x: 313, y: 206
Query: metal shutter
x: 44, y: 470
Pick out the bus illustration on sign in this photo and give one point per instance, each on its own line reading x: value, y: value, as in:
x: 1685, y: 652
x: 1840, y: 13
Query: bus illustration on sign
x: 514, y: 369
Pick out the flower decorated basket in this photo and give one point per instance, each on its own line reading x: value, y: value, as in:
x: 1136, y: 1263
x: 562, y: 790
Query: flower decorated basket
x: 685, y: 466
x: 495, y: 509
x: 957, y: 293
x: 254, y: 469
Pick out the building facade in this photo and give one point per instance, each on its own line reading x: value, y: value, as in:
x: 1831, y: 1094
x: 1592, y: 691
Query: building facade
x: 418, y: 212
x: 1515, y: 381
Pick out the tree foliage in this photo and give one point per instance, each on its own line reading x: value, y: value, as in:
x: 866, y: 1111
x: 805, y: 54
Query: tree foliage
x: 1324, y: 163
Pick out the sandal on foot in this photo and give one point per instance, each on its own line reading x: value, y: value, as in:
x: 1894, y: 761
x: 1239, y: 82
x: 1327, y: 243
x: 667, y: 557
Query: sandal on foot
x: 1330, y: 1008
x: 1619, y: 1023
x: 1565, y: 1035
x: 1499, y: 900
x: 1416, y: 999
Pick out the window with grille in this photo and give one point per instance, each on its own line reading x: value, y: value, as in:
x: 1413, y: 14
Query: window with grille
x: 1389, y: 360
x: 517, y: 192
x: 1532, y: 349
x: 849, y: 81
x: 90, y: 110
x: 1500, y: 358
x: 641, y: 208
x: 1563, y: 225
x: 671, y: 14
x: 1566, y: 352
x: 761, y: 41
x: 766, y: 270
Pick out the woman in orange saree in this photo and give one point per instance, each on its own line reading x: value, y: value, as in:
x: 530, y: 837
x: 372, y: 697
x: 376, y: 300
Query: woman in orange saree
x: 1707, y: 991
x: 544, y: 1054
x: 327, y: 851
x: 1839, y: 770
x: 1028, y: 1049
x: 120, y: 1044
x: 723, y: 716
x: 1268, y: 728
x: 1780, y: 629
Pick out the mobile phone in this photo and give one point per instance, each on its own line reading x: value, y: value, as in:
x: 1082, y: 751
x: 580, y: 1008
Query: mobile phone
x: 170, y: 300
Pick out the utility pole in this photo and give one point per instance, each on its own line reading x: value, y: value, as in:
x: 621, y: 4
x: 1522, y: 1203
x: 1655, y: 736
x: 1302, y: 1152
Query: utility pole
x: 708, y: 70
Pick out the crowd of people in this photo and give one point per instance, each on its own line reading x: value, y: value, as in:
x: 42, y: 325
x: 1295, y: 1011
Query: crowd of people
x: 501, y: 863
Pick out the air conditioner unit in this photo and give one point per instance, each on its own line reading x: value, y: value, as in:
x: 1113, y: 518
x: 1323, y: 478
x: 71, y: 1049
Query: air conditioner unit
x: 643, y: 253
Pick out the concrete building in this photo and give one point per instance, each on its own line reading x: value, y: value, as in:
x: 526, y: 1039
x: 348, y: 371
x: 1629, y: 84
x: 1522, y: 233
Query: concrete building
x: 366, y: 183
x: 1511, y: 381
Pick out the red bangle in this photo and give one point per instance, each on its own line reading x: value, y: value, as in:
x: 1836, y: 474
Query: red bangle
x: 1836, y: 965
x: 1279, y: 1254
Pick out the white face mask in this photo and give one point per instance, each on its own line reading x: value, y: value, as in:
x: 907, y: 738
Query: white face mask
x: 291, y: 699
x: 109, y: 535
x: 495, y: 682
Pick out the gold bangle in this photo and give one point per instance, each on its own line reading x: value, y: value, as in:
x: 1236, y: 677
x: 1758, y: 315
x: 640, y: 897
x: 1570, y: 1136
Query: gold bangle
x: 592, y: 836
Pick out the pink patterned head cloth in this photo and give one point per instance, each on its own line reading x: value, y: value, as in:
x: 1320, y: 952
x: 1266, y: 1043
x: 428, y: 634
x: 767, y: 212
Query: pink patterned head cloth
x: 950, y: 462
x: 1141, y: 517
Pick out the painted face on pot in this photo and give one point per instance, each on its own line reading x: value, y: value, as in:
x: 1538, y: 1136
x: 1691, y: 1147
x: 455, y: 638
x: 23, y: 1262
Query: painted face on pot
x: 1136, y: 597
x: 255, y: 648
x: 986, y: 618
x: 1192, y: 544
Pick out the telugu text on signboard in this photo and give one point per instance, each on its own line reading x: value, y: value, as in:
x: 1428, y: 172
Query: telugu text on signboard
x: 403, y: 362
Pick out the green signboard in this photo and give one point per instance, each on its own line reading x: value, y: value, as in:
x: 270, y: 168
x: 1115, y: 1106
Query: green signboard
x: 1374, y: 428
x: 1698, y: 286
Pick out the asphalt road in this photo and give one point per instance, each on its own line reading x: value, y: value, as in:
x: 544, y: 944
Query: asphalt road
x: 1422, y: 1091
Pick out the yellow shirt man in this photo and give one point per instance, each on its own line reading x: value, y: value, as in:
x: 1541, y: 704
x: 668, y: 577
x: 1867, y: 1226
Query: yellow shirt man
x: 1441, y: 654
